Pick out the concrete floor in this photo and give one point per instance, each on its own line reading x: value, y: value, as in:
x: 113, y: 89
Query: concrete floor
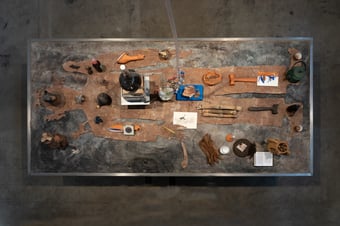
x: 33, y: 201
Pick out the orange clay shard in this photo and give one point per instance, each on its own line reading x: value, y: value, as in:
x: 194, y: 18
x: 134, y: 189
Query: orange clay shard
x: 267, y: 73
x: 125, y: 58
x: 230, y: 137
x: 211, y: 78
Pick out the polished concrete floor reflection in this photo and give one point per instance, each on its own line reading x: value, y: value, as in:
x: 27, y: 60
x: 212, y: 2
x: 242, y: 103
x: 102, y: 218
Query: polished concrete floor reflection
x: 32, y: 201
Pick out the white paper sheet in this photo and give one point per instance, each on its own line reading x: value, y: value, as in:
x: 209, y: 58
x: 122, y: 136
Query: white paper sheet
x: 186, y: 119
x: 263, y: 159
x: 268, y: 80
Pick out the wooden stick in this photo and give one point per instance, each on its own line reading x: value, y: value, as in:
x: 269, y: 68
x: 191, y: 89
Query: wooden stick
x: 218, y: 115
x: 184, y: 163
x: 220, y: 111
x: 222, y: 107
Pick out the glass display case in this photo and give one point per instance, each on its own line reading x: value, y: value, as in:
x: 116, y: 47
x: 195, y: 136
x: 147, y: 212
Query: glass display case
x: 164, y: 107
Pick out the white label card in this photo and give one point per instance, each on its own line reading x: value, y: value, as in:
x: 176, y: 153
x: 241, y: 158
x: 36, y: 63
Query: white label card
x: 186, y: 119
x: 268, y: 80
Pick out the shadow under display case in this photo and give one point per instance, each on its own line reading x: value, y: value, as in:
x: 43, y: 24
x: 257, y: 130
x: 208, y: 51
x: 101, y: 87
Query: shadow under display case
x: 153, y: 107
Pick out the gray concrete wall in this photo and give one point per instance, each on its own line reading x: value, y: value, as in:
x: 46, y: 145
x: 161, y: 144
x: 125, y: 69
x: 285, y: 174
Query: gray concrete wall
x: 26, y: 200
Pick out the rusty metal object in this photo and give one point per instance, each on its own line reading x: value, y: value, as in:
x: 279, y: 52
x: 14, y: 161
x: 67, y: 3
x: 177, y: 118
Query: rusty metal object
x: 218, y: 115
x: 220, y: 111
x: 277, y: 146
x: 233, y: 79
x: 125, y: 58
x: 211, y: 78
x: 209, y: 149
x: 273, y: 109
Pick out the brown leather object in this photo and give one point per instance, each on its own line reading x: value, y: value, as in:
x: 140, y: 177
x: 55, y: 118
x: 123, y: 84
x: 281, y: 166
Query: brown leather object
x: 211, y: 78
x: 277, y: 147
x: 209, y: 149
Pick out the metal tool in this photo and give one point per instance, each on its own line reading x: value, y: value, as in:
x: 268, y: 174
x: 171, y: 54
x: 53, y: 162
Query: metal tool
x: 233, y: 79
x: 120, y: 128
x: 184, y: 162
x: 273, y: 109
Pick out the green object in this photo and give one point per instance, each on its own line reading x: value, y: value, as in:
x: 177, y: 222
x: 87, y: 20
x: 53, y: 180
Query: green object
x: 296, y: 73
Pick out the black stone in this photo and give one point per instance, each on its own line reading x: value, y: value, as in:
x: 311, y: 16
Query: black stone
x: 98, y: 120
x: 104, y: 99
